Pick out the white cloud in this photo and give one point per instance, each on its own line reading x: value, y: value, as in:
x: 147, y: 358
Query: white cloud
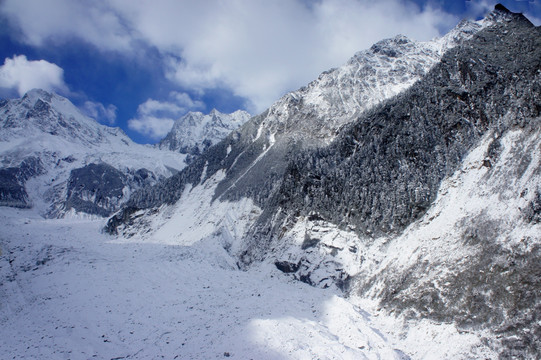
x: 155, y: 118
x: 186, y: 101
x: 153, y: 127
x: 56, y: 21
x: 20, y: 74
x: 262, y: 49
x: 101, y: 113
x: 152, y: 106
x: 257, y: 48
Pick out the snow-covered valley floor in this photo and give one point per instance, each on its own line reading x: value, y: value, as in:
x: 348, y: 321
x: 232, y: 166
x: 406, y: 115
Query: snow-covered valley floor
x: 67, y: 291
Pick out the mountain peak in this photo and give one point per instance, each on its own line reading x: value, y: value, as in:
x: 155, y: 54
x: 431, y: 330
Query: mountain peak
x: 501, y: 13
x: 35, y: 94
x: 41, y: 113
x: 500, y: 7
x: 195, y: 131
x: 390, y: 46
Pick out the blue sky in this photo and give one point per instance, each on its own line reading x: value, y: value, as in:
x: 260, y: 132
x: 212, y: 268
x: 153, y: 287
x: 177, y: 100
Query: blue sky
x: 140, y: 64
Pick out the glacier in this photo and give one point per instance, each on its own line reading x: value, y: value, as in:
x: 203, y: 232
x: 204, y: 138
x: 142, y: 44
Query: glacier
x: 389, y: 209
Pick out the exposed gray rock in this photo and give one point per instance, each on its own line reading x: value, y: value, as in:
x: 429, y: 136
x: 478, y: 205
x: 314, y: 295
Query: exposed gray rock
x: 98, y: 189
x: 13, y: 179
x: 95, y: 189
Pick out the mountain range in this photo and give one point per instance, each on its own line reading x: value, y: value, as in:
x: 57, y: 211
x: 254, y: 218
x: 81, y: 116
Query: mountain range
x: 408, y: 180
x: 63, y: 162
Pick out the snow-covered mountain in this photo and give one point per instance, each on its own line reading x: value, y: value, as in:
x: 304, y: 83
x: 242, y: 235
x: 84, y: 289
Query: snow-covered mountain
x: 195, y: 132
x: 409, y: 176
x: 255, y: 156
x: 57, y: 159
x: 250, y: 163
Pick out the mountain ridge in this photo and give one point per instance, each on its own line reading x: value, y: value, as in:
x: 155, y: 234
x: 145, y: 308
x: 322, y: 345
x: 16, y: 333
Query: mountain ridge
x: 273, y: 134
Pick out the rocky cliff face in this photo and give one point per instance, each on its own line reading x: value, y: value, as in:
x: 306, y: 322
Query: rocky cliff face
x: 461, y: 251
x: 384, y: 169
x: 426, y: 199
x: 13, y: 179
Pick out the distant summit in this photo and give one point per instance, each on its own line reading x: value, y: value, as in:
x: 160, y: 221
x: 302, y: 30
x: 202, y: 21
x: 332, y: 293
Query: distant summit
x: 195, y: 132
x: 500, y: 13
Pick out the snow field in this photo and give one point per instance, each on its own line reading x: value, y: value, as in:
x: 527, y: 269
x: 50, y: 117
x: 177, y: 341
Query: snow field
x: 71, y: 292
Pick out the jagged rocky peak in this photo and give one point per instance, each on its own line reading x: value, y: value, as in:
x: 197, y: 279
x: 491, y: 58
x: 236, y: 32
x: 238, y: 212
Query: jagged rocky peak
x: 195, y: 131
x: 316, y: 112
x: 37, y: 103
x: 38, y: 94
x: 501, y: 13
x: 390, y: 47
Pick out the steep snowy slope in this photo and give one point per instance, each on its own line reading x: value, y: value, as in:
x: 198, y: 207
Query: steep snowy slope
x: 471, y: 262
x: 473, y: 259
x: 195, y: 132
x: 346, y: 207
x: 55, y: 158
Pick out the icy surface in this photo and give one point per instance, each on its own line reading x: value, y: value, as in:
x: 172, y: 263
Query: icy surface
x: 70, y: 292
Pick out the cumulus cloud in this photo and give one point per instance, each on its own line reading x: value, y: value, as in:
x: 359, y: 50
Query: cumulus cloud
x: 155, y: 118
x: 153, y: 127
x: 185, y: 101
x: 258, y: 49
x: 99, y: 112
x: 58, y: 21
x: 262, y: 49
x: 21, y: 74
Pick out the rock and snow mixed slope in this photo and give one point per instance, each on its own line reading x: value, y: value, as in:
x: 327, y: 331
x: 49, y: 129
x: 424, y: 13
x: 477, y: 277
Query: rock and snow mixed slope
x: 472, y: 260
x: 338, y: 200
x: 61, y: 161
x: 195, y: 132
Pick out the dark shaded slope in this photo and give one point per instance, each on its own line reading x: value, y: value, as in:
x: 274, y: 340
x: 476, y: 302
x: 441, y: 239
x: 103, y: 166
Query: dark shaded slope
x: 13, y: 179
x: 384, y: 170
